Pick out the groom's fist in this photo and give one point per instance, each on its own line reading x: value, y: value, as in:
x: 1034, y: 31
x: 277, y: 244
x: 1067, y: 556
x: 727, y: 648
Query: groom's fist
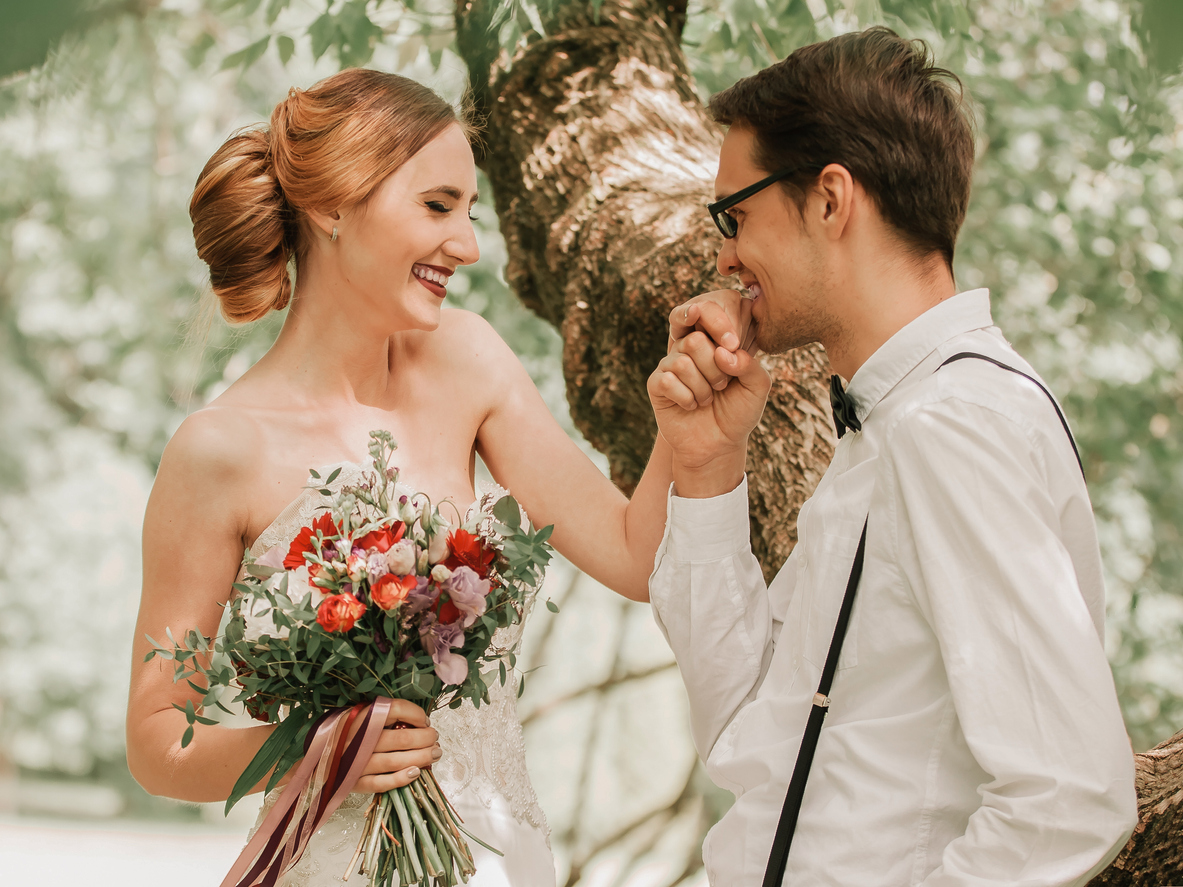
x: 707, y: 428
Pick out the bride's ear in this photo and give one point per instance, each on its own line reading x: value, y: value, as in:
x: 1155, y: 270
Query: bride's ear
x: 325, y: 222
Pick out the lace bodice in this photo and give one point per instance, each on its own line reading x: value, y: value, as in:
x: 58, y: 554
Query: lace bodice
x: 484, y: 753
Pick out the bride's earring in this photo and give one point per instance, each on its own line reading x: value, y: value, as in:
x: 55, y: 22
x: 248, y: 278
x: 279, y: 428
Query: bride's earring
x: 333, y: 239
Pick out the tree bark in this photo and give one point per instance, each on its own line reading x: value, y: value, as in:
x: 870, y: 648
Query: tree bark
x: 601, y: 158
x: 1154, y: 855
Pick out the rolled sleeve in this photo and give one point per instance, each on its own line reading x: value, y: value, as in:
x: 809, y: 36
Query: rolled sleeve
x: 701, y: 530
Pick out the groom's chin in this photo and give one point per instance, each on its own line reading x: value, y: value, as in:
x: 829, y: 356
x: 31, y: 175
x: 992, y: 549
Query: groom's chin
x: 779, y: 341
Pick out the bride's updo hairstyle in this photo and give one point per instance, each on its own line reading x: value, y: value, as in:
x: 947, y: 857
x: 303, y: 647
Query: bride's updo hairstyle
x: 326, y: 148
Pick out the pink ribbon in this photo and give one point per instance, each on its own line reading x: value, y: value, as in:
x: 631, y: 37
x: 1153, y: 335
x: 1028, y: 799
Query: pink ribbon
x: 324, y: 777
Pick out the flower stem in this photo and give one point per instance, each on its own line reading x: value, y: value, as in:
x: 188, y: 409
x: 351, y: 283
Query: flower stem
x: 430, y: 856
x: 443, y: 832
x: 408, y: 832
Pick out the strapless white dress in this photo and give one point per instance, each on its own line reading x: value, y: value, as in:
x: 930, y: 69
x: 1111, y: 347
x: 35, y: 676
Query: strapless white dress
x: 483, y: 770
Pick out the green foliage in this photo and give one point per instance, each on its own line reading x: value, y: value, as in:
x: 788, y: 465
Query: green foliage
x: 28, y: 31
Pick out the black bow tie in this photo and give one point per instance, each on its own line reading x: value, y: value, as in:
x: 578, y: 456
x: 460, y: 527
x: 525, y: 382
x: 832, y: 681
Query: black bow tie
x: 843, y: 406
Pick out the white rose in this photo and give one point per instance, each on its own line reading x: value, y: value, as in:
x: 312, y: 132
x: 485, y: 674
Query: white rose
x: 300, y: 583
x: 440, y: 573
x: 259, y: 623
x: 400, y: 558
x: 437, y: 548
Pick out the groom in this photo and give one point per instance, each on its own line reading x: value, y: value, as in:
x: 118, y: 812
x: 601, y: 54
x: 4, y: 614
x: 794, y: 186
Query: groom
x: 973, y: 735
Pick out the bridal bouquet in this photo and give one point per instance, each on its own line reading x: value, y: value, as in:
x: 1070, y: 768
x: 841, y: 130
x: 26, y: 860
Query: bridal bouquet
x: 378, y: 598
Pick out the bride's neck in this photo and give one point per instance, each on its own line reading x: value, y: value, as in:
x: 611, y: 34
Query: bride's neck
x: 329, y: 353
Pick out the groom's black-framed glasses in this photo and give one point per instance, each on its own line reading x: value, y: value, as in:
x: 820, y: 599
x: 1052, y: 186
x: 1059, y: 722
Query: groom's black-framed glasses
x: 725, y: 222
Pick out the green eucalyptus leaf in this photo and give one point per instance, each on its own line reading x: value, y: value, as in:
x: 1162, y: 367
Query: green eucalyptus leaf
x: 274, y: 8
x: 247, y: 56
x: 268, y: 756
x: 322, y: 33
x: 506, y: 510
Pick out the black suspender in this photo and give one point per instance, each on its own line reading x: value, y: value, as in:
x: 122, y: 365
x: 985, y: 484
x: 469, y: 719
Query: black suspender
x: 778, y: 858
x: 775, y: 873
x: 1068, y: 431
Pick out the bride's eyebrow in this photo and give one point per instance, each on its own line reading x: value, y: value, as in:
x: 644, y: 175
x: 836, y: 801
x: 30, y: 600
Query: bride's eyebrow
x: 454, y: 193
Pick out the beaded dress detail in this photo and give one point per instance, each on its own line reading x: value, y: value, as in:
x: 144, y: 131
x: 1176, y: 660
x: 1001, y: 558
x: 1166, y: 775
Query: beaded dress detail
x: 483, y: 769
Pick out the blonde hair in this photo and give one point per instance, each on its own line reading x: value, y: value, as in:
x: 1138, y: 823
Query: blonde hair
x: 325, y: 148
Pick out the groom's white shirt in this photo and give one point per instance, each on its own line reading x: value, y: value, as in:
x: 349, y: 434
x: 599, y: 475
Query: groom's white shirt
x: 974, y: 736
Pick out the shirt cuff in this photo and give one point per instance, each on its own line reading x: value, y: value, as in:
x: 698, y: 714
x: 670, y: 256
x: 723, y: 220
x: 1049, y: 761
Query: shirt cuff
x: 704, y: 530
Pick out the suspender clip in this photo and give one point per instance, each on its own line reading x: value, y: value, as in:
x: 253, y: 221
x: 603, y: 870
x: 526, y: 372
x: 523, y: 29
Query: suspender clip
x: 821, y: 701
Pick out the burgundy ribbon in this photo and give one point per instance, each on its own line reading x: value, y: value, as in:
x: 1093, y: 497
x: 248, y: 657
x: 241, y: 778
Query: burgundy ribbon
x: 331, y: 766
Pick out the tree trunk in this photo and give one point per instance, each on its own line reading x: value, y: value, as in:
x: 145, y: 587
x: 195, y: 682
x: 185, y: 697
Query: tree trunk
x: 601, y: 158
x: 1154, y: 855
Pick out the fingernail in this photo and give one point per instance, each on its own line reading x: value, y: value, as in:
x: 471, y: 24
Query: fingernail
x: 720, y: 385
x: 730, y: 341
x: 429, y: 722
x: 437, y: 753
x: 413, y: 772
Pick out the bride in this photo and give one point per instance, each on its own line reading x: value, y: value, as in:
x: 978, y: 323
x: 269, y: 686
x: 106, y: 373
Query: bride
x: 365, y: 182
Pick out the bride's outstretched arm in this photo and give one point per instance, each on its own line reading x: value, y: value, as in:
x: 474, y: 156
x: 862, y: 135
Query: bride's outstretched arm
x: 611, y: 538
x: 193, y: 544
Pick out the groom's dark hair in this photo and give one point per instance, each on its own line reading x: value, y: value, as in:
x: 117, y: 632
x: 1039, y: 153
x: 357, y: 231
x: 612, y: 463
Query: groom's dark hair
x: 877, y: 104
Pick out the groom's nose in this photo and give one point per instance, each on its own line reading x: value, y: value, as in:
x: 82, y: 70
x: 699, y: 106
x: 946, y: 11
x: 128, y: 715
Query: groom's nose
x: 728, y: 262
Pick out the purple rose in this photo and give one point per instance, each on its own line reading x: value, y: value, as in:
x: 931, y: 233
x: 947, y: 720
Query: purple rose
x: 438, y: 640
x: 420, y: 598
x: 467, y: 591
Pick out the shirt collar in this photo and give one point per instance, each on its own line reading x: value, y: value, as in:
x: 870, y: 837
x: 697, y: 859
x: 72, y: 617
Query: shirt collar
x: 900, y: 354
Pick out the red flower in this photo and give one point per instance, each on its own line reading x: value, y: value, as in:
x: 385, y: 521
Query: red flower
x: 304, y: 541
x: 469, y: 551
x: 390, y: 591
x: 339, y: 612
x: 382, y: 538
x: 449, y: 613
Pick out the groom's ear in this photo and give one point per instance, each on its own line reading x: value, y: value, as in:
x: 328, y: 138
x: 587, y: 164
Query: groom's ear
x: 832, y: 199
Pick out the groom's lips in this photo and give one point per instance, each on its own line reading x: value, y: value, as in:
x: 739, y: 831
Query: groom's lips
x: 754, y: 290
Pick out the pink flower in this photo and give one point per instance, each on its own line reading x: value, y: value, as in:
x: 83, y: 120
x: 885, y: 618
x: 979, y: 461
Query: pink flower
x: 422, y: 597
x: 273, y: 558
x: 467, y: 591
x: 439, y: 640
x: 376, y: 567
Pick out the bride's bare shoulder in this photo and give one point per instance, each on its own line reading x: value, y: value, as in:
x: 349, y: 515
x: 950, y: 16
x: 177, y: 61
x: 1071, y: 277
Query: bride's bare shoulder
x: 471, y: 343
x: 217, y: 446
